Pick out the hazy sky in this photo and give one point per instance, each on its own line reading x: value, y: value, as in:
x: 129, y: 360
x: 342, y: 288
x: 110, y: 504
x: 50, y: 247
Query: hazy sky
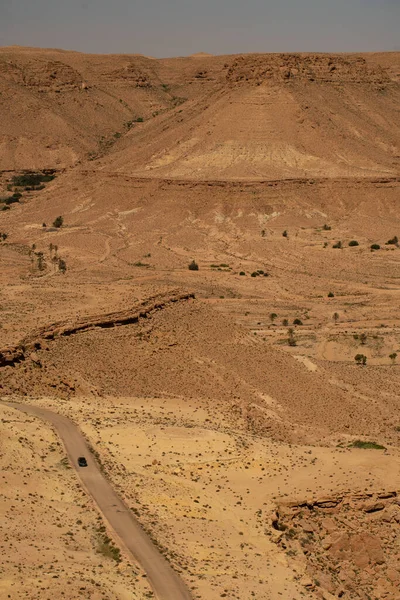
x: 180, y: 27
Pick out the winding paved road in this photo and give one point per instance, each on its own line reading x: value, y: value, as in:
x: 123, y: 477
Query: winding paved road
x: 166, y: 584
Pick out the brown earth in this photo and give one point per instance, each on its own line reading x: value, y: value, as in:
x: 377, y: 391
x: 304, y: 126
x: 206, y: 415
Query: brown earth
x: 52, y: 536
x: 204, y: 416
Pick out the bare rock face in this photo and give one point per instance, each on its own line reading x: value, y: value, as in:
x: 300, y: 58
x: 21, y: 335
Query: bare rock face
x: 363, y: 549
x: 257, y: 69
x: 36, y: 339
x: 373, y: 506
x: 351, y: 550
x: 35, y: 358
x: 43, y: 75
x: 131, y: 74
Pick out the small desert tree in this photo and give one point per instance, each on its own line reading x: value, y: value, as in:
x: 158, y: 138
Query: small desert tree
x: 62, y: 265
x: 360, y: 359
x: 394, y: 240
x: 272, y: 317
x: 393, y: 357
x: 363, y: 338
x: 336, y: 317
x: 193, y: 266
x: 41, y: 261
x: 58, y: 222
x: 291, y: 339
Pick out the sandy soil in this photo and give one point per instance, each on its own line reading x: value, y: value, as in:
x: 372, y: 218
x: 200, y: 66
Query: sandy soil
x: 208, y: 491
x: 51, y: 532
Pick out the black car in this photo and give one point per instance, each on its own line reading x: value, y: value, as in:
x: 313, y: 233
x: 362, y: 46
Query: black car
x: 82, y: 462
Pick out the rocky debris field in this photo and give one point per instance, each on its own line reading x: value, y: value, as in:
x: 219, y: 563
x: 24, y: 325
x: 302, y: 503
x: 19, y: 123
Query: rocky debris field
x: 350, y: 544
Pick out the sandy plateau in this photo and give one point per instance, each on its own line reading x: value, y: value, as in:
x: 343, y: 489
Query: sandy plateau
x: 224, y: 403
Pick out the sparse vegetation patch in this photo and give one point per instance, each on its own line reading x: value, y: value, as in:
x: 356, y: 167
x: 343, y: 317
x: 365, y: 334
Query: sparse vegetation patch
x: 366, y: 445
x: 31, y: 179
x: 393, y: 241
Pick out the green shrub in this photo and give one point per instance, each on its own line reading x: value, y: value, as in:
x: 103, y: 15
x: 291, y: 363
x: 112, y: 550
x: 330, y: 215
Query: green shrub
x: 11, y: 200
x: 353, y: 243
x: 291, y: 339
x: 7, y: 200
x: 31, y: 179
x: 107, y: 548
x: 193, y: 266
x: 331, y: 295
x: 242, y: 273
x: 62, y: 265
x: 360, y: 359
x: 285, y: 234
x: 366, y: 445
x: 363, y: 338
x: 338, y: 245
x: 393, y: 241
x: 375, y: 247
x: 58, y: 222
x: 41, y: 261
x: 297, y: 322
x: 327, y: 227
x: 140, y: 264
x: 254, y: 274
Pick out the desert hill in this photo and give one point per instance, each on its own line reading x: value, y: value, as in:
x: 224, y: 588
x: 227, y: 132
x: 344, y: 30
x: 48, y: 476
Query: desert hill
x: 275, y: 117
x: 62, y: 107
x: 265, y: 189
x: 184, y: 349
x: 205, y: 117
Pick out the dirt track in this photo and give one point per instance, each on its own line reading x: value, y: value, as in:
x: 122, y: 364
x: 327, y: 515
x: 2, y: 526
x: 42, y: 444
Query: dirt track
x: 164, y: 581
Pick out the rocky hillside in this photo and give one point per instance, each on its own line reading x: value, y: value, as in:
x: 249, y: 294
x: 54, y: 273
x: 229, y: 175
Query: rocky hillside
x: 227, y: 117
